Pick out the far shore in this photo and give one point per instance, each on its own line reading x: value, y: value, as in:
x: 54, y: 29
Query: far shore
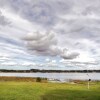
x: 49, y: 71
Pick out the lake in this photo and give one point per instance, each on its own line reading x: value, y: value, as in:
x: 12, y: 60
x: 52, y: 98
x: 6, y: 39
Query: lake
x: 60, y: 76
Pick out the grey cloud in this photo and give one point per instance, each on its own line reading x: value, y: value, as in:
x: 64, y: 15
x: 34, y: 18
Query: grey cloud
x: 67, y: 55
x: 42, y: 43
x: 70, y: 56
x: 46, y: 44
x: 47, y: 12
x: 11, y: 41
x: 3, y: 20
x: 41, y: 12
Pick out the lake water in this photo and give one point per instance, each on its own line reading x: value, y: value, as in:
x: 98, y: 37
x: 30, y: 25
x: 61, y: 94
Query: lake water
x: 60, y: 76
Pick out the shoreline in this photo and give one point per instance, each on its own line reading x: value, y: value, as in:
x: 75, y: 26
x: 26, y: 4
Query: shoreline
x: 22, y: 79
x: 40, y: 80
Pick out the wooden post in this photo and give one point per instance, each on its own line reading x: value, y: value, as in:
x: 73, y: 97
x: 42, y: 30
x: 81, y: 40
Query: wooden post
x: 88, y: 85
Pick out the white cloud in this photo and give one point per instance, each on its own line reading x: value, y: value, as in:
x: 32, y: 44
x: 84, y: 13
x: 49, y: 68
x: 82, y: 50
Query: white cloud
x: 10, y: 63
x: 27, y: 63
x: 47, y: 59
x: 53, y: 61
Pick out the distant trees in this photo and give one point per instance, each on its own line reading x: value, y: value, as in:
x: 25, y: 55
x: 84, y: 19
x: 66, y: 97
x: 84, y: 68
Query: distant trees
x: 49, y: 71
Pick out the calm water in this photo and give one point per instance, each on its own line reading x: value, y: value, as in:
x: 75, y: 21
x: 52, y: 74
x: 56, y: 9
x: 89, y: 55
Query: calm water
x: 60, y: 76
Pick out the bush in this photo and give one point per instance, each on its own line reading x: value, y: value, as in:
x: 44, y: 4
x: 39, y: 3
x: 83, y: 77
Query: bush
x: 38, y: 79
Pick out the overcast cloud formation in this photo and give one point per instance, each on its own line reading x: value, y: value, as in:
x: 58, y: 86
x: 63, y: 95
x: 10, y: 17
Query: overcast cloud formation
x: 50, y: 34
x: 3, y: 20
x: 46, y: 44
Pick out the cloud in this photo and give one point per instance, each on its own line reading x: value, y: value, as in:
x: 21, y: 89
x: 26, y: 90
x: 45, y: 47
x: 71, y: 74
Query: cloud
x: 11, y: 52
x: 46, y: 44
x: 80, y: 65
x: 42, y: 43
x: 9, y: 40
x: 27, y: 63
x: 47, y: 59
x: 38, y: 12
x: 10, y: 63
x: 51, y: 63
x: 3, y: 20
x: 41, y: 12
x: 68, y: 55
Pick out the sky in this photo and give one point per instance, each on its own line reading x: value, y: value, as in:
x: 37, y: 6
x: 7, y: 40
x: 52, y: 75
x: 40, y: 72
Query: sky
x: 50, y: 34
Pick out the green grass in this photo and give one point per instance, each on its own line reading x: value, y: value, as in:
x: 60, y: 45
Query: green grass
x: 48, y: 91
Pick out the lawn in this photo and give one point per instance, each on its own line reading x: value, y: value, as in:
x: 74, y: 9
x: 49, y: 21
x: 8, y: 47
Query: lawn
x: 48, y: 91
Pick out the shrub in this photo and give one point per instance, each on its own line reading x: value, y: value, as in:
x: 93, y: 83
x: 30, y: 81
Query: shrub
x: 38, y: 79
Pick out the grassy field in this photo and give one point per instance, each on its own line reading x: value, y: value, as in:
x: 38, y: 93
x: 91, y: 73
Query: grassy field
x: 48, y: 91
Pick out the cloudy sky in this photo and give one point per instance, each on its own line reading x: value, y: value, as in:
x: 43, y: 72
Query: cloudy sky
x: 50, y: 34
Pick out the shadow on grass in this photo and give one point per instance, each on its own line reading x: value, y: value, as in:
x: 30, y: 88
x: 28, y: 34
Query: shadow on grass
x: 71, y: 95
